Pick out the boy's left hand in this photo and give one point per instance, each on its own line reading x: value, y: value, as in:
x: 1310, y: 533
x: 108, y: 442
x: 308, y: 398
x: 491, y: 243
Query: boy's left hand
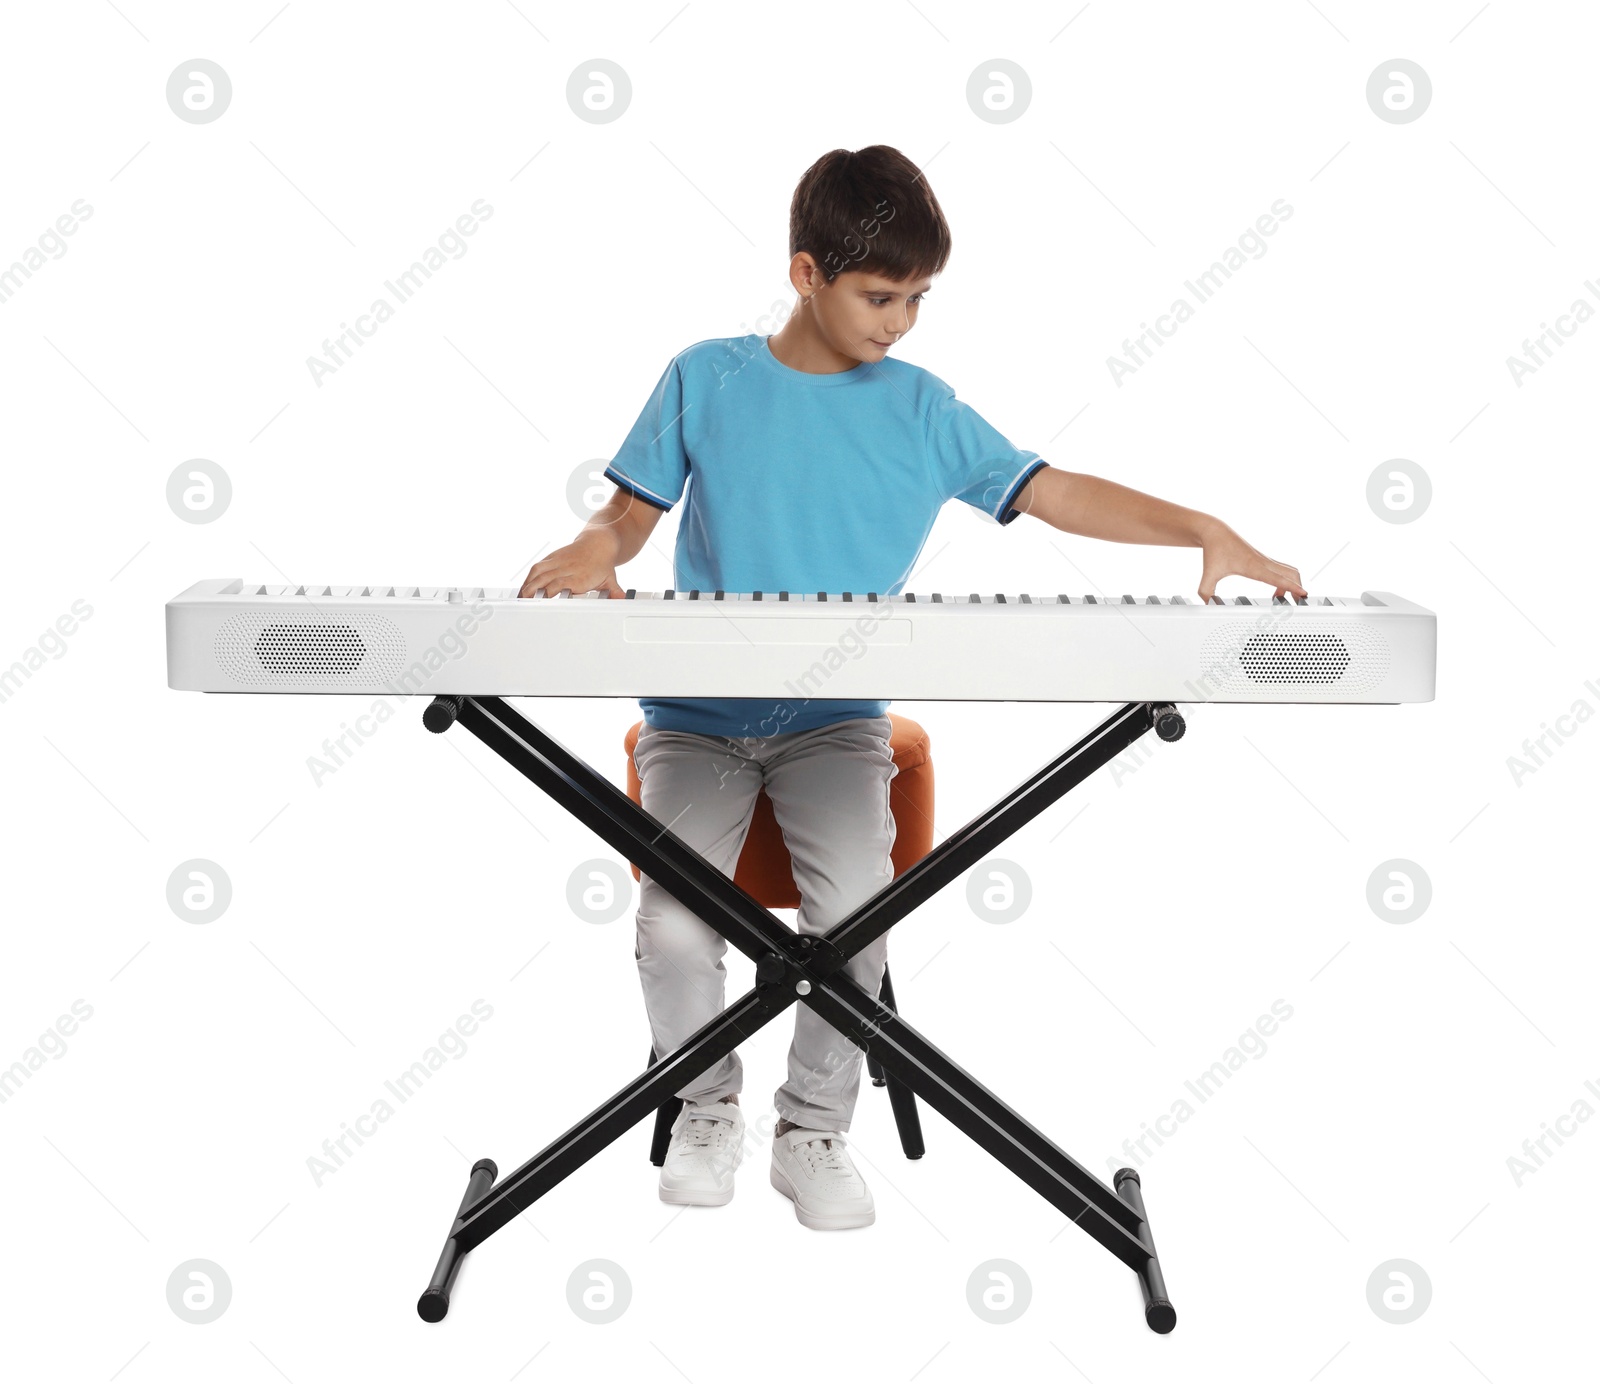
x: 1226, y: 555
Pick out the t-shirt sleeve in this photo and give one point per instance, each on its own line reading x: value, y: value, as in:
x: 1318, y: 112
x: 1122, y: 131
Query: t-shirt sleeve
x: 652, y: 462
x: 973, y: 461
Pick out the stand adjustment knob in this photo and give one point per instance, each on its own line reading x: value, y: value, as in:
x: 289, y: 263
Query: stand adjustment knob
x: 1169, y: 722
x: 440, y: 714
x: 770, y: 969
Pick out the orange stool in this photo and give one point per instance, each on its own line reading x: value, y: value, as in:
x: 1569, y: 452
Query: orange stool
x: 765, y: 872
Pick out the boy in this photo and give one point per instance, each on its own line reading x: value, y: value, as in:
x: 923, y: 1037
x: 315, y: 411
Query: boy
x: 813, y: 461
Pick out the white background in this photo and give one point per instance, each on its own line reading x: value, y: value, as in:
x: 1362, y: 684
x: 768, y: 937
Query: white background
x: 1171, y: 905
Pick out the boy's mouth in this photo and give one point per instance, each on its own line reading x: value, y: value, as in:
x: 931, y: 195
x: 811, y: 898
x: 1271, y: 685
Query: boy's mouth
x: 881, y: 345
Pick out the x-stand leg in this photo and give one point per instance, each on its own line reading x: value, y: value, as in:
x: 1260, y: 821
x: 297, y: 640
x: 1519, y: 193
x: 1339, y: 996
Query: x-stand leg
x: 810, y: 970
x: 901, y: 1100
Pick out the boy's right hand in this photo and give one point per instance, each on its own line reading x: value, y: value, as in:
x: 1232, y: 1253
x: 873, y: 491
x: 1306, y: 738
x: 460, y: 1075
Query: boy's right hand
x: 586, y: 564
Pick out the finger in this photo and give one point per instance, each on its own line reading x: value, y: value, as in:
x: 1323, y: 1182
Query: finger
x: 1290, y: 577
x: 531, y: 582
x: 1211, y: 574
x: 1275, y: 574
x: 548, y: 583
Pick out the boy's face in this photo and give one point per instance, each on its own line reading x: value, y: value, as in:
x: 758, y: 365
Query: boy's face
x: 862, y: 315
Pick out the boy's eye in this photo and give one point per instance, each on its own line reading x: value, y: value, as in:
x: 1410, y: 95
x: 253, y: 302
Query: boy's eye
x: 879, y: 302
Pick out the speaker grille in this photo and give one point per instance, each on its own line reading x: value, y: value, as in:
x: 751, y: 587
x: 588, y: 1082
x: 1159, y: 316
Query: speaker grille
x: 292, y: 648
x: 1342, y: 654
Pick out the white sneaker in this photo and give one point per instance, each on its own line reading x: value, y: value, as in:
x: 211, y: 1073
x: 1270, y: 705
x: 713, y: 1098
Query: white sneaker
x: 707, y: 1144
x: 812, y: 1169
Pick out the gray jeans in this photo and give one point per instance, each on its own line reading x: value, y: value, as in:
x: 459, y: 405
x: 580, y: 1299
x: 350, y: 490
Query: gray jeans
x: 830, y: 794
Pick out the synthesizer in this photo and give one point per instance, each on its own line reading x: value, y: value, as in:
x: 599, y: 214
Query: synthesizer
x: 237, y: 636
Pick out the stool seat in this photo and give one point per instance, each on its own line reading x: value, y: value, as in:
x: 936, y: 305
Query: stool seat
x: 764, y: 870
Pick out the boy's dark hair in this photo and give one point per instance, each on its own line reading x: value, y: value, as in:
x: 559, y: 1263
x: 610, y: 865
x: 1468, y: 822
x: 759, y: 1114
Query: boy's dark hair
x: 868, y: 210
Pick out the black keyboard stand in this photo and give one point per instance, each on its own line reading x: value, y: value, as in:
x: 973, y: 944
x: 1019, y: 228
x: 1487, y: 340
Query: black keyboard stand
x: 808, y: 969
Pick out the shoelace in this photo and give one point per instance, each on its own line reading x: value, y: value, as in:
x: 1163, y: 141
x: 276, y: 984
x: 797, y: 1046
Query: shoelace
x: 824, y: 1155
x: 699, y: 1131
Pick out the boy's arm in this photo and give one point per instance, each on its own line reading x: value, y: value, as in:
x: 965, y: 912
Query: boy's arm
x: 1097, y: 508
x: 616, y: 533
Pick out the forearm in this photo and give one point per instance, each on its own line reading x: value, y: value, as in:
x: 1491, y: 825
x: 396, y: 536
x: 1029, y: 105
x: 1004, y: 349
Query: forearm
x: 1097, y: 508
x: 615, y: 529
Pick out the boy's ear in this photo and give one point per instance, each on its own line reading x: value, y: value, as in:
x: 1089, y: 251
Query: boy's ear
x: 806, y: 274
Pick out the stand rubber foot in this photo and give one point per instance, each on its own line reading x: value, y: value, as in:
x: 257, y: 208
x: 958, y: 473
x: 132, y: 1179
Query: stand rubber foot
x: 434, y: 1303
x: 1159, y: 1314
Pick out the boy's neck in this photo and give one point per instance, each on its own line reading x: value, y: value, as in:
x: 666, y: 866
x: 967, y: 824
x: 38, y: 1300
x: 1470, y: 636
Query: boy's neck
x: 800, y: 346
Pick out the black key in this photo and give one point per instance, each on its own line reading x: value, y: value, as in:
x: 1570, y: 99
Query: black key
x: 999, y: 599
x: 911, y: 598
x: 1063, y: 600
x: 1090, y: 600
x: 1127, y: 600
x: 716, y: 595
x: 1025, y: 598
x: 1152, y: 600
x: 822, y: 595
x: 973, y: 599
x: 1279, y: 600
x: 1241, y: 600
x: 694, y: 593
x: 1299, y: 600
x: 755, y: 595
x: 848, y: 596
x: 938, y: 597
x: 783, y: 595
x: 668, y: 594
x: 630, y: 594
x: 873, y: 597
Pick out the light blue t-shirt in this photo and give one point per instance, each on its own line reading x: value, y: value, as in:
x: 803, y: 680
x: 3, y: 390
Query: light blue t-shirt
x: 804, y: 483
